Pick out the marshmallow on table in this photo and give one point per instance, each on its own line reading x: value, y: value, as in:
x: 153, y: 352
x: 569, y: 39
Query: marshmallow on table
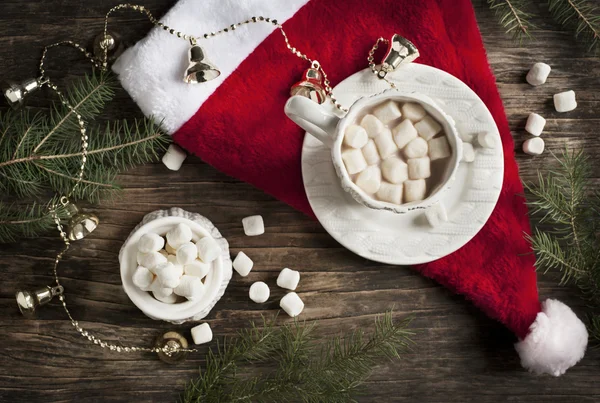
x: 288, y: 279
x: 174, y: 157
x: 372, y: 125
x: 439, y: 148
x: 385, y: 143
x: 404, y: 133
x: 150, y: 260
x: 187, y: 253
x: 417, y: 148
x: 390, y: 193
x: 259, y: 292
x: 428, y: 127
x: 414, y: 190
x: 197, y: 268
x: 565, y: 101
x: 178, y: 235
x: 387, y: 112
x: 436, y: 214
x: 292, y: 304
x: 534, y: 146
x: 169, y: 274
x: 487, y: 139
x: 369, y: 180
x: 190, y: 287
x: 150, y: 242
x: 208, y: 249
x: 370, y: 153
x: 538, y: 74
x: 394, y: 170
x: 253, y: 225
x: 202, y: 333
x: 535, y: 124
x: 419, y: 168
x: 142, y: 278
x: 412, y: 111
x: 355, y: 136
x: 468, y: 152
x: 242, y: 264
x: 354, y: 161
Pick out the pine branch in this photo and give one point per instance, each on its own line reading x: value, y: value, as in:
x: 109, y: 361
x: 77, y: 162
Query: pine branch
x: 512, y: 16
x: 579, y: 15
x: 29, y: 221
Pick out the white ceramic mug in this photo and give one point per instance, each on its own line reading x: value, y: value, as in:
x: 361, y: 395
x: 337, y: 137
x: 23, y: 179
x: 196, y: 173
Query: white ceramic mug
x: 329, y: 129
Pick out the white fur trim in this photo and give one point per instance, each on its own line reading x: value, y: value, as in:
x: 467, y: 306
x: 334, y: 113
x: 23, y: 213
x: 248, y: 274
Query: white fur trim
x: 152, y: 70
x: 556, y: 341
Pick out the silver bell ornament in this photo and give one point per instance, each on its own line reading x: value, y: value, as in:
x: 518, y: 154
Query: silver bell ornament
x: 28, y: 301
x: 15, y: 93
x: 311, y: 86
x: 199, y: 70
x: 171, y: 344
x: 400, y: 50
x: 80, y: 224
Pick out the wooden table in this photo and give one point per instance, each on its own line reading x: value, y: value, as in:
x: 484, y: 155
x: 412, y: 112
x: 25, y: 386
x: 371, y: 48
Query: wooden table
x: 461, y: 355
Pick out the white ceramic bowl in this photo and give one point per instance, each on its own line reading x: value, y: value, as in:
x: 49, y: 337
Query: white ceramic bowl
x: 216, y: 281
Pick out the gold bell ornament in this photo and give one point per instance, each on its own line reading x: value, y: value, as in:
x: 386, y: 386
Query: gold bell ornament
x: 15, y: 93
x: 311, y: 86
x: 111, y: 42
x: 199, y: 70
x: 172, y: 344
x: 80, y: 224
x: 400, y: 50
x: 28, y: 301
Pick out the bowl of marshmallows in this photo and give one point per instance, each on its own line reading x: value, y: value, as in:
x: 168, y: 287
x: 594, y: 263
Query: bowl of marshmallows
x: 175, y: 265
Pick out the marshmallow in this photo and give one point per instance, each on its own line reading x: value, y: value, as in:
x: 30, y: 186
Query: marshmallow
x: 417, y: 148
x: 259, y: 292
x: 291, y: 304
x: 412, y: 111
x: 174, y: 157
x: 428, y: 127
x: 565, y: 101
x: 404, y: 133
x: 208, y: 249
x: 150, y: 242
x: 168, y: 274
x: 369, y: 180
x: 394, y: 170
x: 355, y: 136
x: 436, y: 214
x: 487, y: 139
x: 170, y: 250
x: 172, y: 259
x: 167, y: 299
x: 242, y: 264
x: 534, y: 146
x: 187, y: 253
x: 414, y: 190
x: 202, y: 334
x: 288, y: 279
x: 370, y: 153
x: 419, y: 168
x: 385, y: 144
x: 253, y: 225
x: 142, y: 278
x: 390, y: 193
x: 190, y: 287
x: 197, y: 268
x: 468, y: 152
x: 354, y: 161
x: 535, y: 124
x: 387, y: 112
x: 439, y: 148
x: 150, y: 260
x: 538, y: 74
x: 178, y: 235
x: 372, y: 125
x: 161, y: 293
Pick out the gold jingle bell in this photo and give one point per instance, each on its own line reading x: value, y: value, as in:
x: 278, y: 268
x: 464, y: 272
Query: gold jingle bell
x: 28, y: 301
x: 15, y: 93
x: 400, y: 50
x: 80, y: 224
x: 171, y: 345
x: 200, y: 70
x: 311, y: 86
x: 111, y: 42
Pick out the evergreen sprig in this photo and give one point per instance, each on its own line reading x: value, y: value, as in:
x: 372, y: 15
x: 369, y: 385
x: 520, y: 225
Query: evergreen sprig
x: 29, y: 221
x: 579, y: 15
x: 512, y: 16
x: 566, y: 201
x: 307, y: 370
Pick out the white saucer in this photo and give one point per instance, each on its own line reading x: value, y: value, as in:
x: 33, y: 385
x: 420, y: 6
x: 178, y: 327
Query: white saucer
x: 408, y: 239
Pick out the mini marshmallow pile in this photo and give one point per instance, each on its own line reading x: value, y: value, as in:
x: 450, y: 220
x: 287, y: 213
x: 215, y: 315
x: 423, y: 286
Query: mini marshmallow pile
x: 392, y: 165
x: 175, y: 267
x: 563, y: 102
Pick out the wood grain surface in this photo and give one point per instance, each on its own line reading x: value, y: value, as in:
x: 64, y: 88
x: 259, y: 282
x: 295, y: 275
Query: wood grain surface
x: 460, y: 355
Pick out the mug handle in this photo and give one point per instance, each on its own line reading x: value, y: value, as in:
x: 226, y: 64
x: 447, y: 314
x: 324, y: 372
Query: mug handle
x: 313, y: 118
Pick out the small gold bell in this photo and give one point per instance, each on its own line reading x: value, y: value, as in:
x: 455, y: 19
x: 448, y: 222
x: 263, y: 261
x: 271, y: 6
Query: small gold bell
x: 15, y: 93
x: 400, y: 50
x: 80, y: 224
x: 199, y: 70
x: 171, y: 344
x: 311, y: 86
x: 111, y: 42
x: 28, y: 301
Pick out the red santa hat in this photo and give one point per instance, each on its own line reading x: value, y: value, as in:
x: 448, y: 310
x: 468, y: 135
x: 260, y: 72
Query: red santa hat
x: 237, y: 124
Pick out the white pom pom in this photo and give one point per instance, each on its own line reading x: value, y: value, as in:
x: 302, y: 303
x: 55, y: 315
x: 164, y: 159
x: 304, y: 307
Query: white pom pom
x: 169, y: 274
x: 187, y: 253
x: 288, y: 279
x: 150, y: 242
x: 208, y: 249
x: 150, y: 260
x: 259, y: 292
x: 242, y: 264
x: 190, y: 287
x: 253, y: 225
x: 197, y: 268
x: 292, y: 304
x: 142, y: 278
x: 174, y: 157
x: 202, y: 334
x: 179, y: 235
